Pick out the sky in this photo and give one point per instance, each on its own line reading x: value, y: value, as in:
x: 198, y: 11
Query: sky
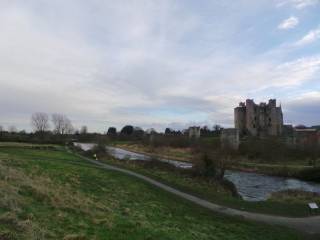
x: 157, y: 63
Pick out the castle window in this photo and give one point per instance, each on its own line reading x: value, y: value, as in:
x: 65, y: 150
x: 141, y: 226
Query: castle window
x: 269, y: 119
x: 254, y: 126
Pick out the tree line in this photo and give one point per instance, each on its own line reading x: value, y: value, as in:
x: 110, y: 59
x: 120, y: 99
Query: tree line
x: 61, y: 123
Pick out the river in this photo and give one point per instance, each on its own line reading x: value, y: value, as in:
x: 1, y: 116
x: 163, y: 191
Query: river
x: 250, y: 186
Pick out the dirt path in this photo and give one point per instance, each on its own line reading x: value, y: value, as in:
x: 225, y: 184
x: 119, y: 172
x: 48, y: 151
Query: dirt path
x: 310, y: 225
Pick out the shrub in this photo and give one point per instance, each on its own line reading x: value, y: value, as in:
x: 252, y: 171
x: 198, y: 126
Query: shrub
x: 212, y: 163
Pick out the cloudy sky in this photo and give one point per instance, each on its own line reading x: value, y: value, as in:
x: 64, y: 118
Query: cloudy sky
x: 157, y: 63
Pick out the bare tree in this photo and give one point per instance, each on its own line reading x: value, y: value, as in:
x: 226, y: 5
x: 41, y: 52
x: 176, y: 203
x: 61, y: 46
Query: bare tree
x: 1, y: 130
x: 67, y: 127
x: 62, y: 124
x: 40, y: 122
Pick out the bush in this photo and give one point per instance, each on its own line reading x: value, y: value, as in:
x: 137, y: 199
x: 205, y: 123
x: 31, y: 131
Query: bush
x: 205, y: 165
x: 212, y: 163
x: 99, y: 150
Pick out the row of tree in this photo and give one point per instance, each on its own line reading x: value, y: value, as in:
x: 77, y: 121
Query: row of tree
x: 131, y: 130
x: 61, y: 123
x: 11, y: 129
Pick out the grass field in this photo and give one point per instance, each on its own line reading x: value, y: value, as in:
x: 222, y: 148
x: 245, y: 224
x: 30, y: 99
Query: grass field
x: 52, y: 194
x: 288, y: 205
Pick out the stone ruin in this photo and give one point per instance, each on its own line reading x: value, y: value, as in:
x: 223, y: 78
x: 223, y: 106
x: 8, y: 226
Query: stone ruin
x: 194, y: 132
x: 260, y: 120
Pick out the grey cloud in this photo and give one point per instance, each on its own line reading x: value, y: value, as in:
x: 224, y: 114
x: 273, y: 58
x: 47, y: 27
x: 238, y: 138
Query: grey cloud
x: 112, y: 62
x: 304, y: 109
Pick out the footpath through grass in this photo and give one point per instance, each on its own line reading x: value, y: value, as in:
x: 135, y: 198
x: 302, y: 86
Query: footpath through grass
x: 52, y: 194
x: 286, y: 205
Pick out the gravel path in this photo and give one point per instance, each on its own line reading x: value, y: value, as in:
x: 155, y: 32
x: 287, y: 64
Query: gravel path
x: 310, y: 225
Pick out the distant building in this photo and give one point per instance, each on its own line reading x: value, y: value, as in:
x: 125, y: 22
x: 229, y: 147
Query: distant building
x: 230, y: 138
x: 194, y: 132
x: 259, y: 119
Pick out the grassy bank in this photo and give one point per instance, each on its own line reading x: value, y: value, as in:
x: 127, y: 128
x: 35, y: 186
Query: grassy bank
x: 52, y: 194
x: 213, y: 191
x: 287, y: 169
x: 180, y: 154
x: 290, y: 168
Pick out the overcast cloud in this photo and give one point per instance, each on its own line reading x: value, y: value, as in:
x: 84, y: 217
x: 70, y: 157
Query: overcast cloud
x: 157, y: 63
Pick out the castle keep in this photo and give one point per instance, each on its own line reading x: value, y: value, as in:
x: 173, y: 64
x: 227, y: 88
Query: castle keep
x: 264, y: 119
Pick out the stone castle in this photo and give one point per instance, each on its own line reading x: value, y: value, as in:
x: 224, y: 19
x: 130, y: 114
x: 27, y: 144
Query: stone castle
x: 260, y: 120
x: 264, y: 120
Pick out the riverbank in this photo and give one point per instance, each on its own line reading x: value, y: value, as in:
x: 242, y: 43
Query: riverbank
x: 291, y: 169
x: 184, y: 180
x: 53, y: 194
x: 179, y: 154
x: 216, y: 192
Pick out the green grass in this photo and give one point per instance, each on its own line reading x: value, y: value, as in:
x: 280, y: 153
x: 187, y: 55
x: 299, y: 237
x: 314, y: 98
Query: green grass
x: 214, y: 192
x: 52, y: 194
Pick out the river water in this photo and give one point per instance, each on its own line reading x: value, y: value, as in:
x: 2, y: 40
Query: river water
x: 250, y: 186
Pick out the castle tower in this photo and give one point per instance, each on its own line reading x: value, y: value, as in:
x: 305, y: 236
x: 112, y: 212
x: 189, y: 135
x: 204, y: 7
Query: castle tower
x: 240, y: 118
x: 259, y: 120
x: 251, y: 117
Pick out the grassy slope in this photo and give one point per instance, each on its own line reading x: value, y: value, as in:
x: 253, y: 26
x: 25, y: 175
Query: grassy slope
x: 215, y: 193
x: 284, y: 206
x: 48, y: 194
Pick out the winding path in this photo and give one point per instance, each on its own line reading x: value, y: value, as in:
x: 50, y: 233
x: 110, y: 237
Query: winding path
x: 310, y: 225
